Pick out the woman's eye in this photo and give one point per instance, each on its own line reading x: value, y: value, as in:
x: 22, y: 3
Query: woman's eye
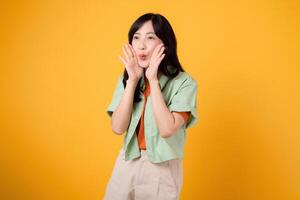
x: 135, y: 37
x: 151, y: 38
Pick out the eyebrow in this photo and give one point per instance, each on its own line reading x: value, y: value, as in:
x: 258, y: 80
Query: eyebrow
x: 146, y: 33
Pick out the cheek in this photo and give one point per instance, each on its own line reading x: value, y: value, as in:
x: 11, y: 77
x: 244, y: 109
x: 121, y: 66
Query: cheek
x: 151, y: 50
x: 134, y: 48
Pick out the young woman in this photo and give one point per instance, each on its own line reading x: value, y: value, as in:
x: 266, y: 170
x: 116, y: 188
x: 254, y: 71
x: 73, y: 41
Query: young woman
x: 153, y: 103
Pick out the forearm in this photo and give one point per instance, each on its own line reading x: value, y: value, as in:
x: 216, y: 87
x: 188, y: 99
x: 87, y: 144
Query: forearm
x: 163, y: 117
x: 121, y: 116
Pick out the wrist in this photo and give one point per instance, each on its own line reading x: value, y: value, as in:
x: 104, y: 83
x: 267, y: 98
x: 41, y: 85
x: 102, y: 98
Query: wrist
x: 131, y: 82
x: 153, y: 82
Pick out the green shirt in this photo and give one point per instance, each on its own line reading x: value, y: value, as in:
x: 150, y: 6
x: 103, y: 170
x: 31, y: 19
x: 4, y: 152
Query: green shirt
x: 180, y: 94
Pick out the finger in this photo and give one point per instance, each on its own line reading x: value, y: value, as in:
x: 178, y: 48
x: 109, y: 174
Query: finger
x: 161, y: 50
x: 125, y: 52
x: 162, y: 57
x: 134, y: 54
x: 158, y: 48
x: 132, y: 51
x: 130, y: 54
x: 122, y: 59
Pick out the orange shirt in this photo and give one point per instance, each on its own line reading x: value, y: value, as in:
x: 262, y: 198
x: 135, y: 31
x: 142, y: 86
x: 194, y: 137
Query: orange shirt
x: 140, y: 127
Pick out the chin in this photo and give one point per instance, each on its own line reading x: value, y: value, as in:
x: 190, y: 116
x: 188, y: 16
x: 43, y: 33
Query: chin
x: 144, y: 65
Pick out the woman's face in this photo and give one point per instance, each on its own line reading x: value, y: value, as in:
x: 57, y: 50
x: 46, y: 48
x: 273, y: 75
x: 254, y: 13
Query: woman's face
x: 144, y: 42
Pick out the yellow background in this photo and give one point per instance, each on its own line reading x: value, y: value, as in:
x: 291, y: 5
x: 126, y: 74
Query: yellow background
x: 59, y: 67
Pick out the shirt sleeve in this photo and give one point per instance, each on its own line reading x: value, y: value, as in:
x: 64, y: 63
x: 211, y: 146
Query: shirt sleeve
x: 185, y: 99
x: 116, y: 98
x: 184, y: 115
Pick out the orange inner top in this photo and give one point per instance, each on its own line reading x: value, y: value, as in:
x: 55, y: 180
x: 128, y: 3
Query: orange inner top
x: 140, y: 127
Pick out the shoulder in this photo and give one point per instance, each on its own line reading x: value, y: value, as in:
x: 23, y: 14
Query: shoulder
x: 183, y: 79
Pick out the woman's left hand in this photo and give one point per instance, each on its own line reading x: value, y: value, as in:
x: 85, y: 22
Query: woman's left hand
x: 156, y: 58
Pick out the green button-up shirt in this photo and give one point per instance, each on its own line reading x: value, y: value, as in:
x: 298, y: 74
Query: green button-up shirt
x: 180, y: 94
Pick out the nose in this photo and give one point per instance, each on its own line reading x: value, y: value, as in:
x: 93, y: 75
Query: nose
x: 141, y: 45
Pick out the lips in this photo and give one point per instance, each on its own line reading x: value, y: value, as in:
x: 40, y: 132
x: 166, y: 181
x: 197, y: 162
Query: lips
x: 143, y: 56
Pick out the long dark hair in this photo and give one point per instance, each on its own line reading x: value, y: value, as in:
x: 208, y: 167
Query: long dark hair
x: 164, y: 31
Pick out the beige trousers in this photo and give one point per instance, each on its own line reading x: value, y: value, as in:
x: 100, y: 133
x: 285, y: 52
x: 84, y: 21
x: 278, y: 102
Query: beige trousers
x: 140, y: 179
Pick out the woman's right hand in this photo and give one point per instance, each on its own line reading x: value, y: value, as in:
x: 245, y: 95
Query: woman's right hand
x: 135, y: 72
